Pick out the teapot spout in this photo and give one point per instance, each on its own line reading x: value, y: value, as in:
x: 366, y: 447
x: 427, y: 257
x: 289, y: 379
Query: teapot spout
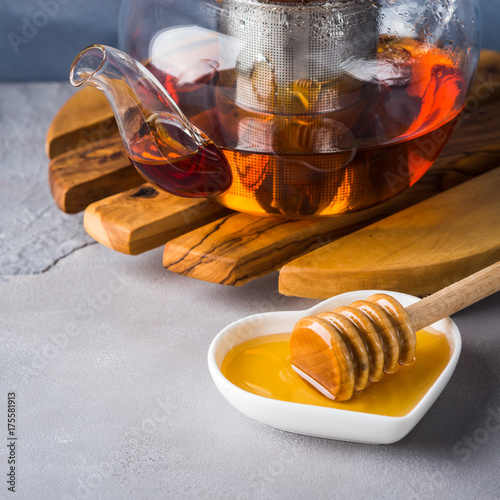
x: 160, y: 141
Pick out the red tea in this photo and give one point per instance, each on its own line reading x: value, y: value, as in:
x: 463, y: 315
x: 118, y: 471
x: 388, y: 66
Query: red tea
x: 315, y: 164
x: 166, y: 155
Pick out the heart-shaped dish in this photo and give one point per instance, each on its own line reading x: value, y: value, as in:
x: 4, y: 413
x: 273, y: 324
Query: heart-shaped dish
x: 321, y: 421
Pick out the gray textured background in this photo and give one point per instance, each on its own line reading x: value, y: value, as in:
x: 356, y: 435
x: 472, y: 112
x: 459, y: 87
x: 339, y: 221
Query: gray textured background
x: 67, y: 26
x: 107, y: 355
x: 107, y: 352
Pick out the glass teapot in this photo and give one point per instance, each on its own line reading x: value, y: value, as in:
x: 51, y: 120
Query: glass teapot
x: 297, y: 109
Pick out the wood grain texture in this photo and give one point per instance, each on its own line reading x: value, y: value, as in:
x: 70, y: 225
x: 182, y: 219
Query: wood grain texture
x: 244, y: 247
x: 486, y: 87
x: 84, y: 119
x: 455, y: 297
x: 84, y: 175
x: 143, y: 218
x: 418, y: 250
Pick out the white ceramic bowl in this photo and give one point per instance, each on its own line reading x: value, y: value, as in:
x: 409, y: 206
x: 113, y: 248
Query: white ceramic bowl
x: 320, y: 421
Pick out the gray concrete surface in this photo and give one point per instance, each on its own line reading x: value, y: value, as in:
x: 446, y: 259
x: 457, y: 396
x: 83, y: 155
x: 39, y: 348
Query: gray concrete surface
x: 106, y: 355
x: 33, y: 232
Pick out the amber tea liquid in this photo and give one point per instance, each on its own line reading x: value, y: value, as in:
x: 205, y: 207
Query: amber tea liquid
x: 165, y: 154
x: 311, y: 164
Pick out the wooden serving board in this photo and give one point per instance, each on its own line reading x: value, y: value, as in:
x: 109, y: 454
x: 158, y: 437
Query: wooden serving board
x: 418, y: 250
x: 90, y: 171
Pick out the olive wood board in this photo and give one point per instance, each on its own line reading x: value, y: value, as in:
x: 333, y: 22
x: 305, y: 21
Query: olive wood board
x: 90, y: 171
x: 85, y: 119
x: 419, y: 250
x: 146, y: 217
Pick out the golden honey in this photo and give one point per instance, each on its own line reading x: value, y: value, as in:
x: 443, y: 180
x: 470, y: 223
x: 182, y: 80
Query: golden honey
x: 262, y: 366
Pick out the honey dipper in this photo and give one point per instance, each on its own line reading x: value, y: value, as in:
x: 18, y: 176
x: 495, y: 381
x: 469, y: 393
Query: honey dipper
x: 341, y: 352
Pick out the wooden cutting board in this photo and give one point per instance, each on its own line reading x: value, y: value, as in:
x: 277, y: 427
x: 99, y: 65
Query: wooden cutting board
x: 90, y: 171
x: 418, y: 250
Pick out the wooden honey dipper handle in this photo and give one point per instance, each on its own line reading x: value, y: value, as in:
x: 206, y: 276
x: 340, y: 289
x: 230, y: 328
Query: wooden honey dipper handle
x: 455, y: 297
x: 341, y: 352
x: 338, y: 352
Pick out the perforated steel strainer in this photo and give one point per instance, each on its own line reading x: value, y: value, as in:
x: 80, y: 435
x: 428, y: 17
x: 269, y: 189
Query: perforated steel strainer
x: 292, y: 95
x: 290, y: 56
